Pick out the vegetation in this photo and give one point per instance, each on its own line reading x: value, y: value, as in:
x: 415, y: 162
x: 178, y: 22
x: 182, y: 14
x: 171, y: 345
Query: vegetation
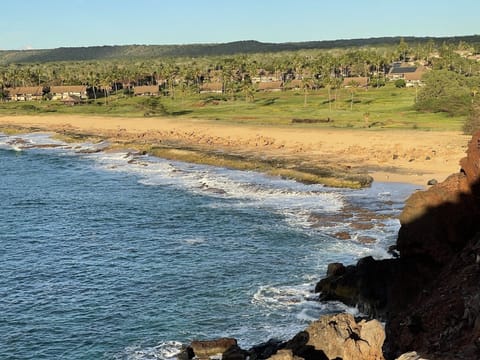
x: 140, y: 52
x: 318, y: 97
x: 446, y: 91
x: 313, y: 93
x: 375, y: 108
x: 473, y: 120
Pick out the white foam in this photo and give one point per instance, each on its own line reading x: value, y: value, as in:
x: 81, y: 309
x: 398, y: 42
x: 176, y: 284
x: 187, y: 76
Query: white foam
x: 276, y: 297
x: 21, y: 142
x: 293, y: 200
x: 164, y: 351
x: 195, y: 241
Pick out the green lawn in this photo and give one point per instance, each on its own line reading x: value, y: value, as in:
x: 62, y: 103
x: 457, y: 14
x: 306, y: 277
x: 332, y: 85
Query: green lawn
x: 386, y: 107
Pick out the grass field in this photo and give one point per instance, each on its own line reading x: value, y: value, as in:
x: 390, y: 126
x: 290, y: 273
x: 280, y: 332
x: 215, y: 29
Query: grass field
x: 386, y: 107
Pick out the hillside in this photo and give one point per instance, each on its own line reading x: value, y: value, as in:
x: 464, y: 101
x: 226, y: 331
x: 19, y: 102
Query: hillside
x: 199, y: 50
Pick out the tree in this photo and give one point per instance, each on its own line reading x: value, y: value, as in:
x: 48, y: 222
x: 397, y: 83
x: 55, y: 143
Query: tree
x: 402, y: 50
x: 472, y: 124
x: 445, y: 91
x: 307, y: 83
x: 353, y: 89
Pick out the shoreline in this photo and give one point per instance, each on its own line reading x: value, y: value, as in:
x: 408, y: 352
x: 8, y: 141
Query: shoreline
x: 309, y: 154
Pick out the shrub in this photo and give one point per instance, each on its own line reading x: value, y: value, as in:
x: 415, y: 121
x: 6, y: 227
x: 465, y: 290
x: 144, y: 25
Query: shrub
x: 153, y: 106
x: 400, y: 83
x: 472, y: 123
x: 445, y: 91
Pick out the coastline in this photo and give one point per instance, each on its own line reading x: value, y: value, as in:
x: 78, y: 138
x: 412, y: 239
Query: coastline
x: 387, y: 155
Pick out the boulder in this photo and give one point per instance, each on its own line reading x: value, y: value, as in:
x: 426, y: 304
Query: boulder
x: 365, y: 285
x: 265, y: 350
x: 428, y: 295
x: 335, y: 269
x: 284, y: 355
x: 471, y: 163
x: 207, y: 348
x: 340, y: 336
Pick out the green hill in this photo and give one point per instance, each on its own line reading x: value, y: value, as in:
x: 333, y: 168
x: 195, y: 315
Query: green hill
x: 199, y: 50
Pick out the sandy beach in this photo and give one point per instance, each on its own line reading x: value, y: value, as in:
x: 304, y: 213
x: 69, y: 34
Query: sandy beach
x: 411, y: 156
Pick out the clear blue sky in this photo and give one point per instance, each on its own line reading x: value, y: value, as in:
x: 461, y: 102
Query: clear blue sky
x: 43, y: 24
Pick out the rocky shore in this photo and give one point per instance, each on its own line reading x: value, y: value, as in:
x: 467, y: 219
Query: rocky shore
x: 428, y: 295
x: 335, y: 156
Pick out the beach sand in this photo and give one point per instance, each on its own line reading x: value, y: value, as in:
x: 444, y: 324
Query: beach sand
x: 410, y: 156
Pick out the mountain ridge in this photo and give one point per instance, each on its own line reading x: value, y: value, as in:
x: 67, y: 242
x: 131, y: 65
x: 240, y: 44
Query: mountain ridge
x: 137, y: 51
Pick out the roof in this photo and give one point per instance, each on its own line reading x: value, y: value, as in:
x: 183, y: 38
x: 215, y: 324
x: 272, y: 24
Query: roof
x: 417, y: 75
x: 212, y: 86
x: 68, y: 89
x: 146, y: 89
x: 26, y: 90
x: 356, y: 81
x: 403, y: 69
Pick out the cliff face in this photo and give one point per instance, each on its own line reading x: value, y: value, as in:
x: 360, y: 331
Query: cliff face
x: 430, y: 295
x: 441, y: 227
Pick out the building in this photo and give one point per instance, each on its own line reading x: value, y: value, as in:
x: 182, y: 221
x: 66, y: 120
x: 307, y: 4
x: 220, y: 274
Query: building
x: 211, y: 87
x: 146, y: 90
x: 25, y: 93
x: 411, y: 74
x: 71, y: 100
x: 64, y: 92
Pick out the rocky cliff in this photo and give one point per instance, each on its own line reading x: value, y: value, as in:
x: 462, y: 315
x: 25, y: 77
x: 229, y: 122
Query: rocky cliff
x: 430, y: 295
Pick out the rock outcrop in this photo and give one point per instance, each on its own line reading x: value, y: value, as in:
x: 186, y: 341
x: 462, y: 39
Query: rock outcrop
x: 340, y: 336
x: 331, y: 337
x: 430, y: 295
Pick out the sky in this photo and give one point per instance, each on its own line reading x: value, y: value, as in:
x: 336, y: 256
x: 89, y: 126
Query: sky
x: 45, y: 24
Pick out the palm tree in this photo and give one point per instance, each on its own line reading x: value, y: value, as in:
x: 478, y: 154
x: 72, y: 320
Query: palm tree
x: 307, y: 83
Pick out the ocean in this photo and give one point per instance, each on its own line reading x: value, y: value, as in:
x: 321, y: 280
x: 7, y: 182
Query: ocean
x: 117, y: 255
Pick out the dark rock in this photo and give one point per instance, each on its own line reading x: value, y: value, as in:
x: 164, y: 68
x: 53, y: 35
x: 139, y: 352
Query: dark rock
x: 208, y: 348
x: 366, y: 285
x: 362, y: 225
x: 343, y: 235
x: 366, y: 239
x: 265, y: 350
x: 335, y: 269
x: 432, y: 182
x: 392, y: 250
x: 186, y: 353
x: 300, y: 346
x: 440, y: 238
x: 234, y: 353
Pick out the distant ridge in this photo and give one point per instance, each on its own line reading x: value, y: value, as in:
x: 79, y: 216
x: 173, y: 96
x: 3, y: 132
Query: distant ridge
x: 198, y: 50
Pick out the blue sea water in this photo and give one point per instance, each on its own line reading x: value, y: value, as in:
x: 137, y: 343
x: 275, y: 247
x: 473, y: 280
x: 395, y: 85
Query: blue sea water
x: 121, y: 256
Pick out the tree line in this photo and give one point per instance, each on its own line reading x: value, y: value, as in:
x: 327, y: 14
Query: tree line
x: 452, y: 86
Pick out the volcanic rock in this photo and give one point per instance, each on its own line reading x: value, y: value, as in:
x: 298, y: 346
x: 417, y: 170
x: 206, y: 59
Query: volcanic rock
x: 429, y: 296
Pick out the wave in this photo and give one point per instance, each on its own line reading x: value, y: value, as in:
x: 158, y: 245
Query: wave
x: 163, y: 351
x: 275, y: 297
x: 320, y: 213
